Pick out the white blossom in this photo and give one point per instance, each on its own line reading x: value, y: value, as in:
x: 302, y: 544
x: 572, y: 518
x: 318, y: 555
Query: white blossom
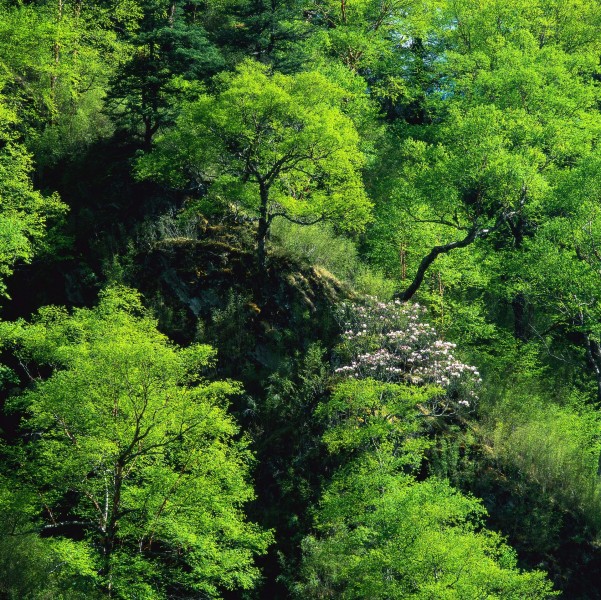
x: 390, y: 342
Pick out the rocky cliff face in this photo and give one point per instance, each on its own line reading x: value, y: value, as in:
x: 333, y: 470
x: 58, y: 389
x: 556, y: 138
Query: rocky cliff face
x: 208, y: 288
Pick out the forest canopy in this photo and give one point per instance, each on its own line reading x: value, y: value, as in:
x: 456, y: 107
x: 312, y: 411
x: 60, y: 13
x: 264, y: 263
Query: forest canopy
x: 300, y: 299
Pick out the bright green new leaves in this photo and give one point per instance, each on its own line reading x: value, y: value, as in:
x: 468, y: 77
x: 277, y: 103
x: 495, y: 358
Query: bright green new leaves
x: 271, y: 145
x: 487, y: 169
x: 569, y: 24
x: 503, y: 115
x: 360, y: 32
x: 23, y: 210
x: 366, y: 415
x: 383, y: 535
x: 134, y: 451
x: 56, y: 59
x: 413, y: 540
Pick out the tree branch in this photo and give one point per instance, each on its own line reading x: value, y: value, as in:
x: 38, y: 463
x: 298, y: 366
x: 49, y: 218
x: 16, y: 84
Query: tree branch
x: 298, y: 221
x: 473, y: 234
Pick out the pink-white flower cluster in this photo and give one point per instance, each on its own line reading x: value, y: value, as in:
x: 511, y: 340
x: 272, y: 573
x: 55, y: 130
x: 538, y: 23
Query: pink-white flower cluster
x: 390, y: 341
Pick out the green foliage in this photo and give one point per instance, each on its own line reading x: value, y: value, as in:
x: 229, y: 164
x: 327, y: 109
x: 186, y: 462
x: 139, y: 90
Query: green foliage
x: 32, y: 567
x: 169, y: 51
x: 367, y: 415
x: 56, y: 60
x: 23, y: 210
x: 368, y: 36
x: 506, y: 110
x: 554, y: 449
x: 442, y: 148
x: 270, y: 145
x: 321, y: 246
x: 317, y: 245
x: 413, y: 541
x: 381, y: 534
x: 230, y: 326
x: 137, y: 452
x: 271, y: 31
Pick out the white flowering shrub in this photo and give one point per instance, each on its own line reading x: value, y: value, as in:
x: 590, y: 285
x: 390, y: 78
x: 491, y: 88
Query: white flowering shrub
x: 390, y: 341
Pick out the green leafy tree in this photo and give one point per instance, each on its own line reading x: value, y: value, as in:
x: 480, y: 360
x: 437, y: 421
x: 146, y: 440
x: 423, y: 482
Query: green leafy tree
x: 361, y: 33
x: 510, y: 108
x: 134, y: 455
x: 57, y: 58
x: 272, y: 146
x: 380, y: 533
x: 393, y: 44
x: 168, y: 47
x: 35, y: 567
x: 23, y: 210
x: 559, y: 272
x: 271, y: 31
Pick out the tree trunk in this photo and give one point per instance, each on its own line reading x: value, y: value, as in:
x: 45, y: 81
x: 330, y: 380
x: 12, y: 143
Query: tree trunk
x: 263, y: 228
x: 593, y: 352
x: 56, y: 52
x: 111, y: 529
x: 150, y: 100
x: 520, y: 321
x: 518, y: 304
x: 149, y: 132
